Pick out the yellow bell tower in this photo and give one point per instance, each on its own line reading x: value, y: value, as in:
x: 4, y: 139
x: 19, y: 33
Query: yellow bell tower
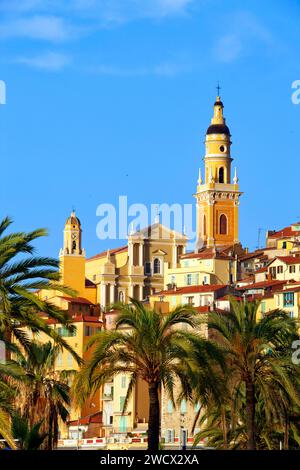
x: 217, y: 198
x: 72, y: 256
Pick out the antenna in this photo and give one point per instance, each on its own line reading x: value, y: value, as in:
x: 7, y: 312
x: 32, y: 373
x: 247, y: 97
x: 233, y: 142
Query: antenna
x: 260, y: 229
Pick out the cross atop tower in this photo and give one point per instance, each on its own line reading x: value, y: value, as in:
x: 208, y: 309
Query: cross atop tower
x: 218, y: 88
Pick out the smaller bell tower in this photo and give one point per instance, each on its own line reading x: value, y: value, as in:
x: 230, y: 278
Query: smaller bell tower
x: 72, y: 256
x: 72, y: 236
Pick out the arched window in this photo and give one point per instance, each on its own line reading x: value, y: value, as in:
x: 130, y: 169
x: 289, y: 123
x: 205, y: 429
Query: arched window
x: 121, y: 296
x: 74, y: 245
x: 156, y: 266
x: 204, y: 225
x: 223, y: 224
x: 221, y: 175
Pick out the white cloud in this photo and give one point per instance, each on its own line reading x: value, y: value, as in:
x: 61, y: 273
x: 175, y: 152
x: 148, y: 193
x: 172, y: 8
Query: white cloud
x: 246, y: 31
x: 49, y: 28
x: 104, y: 10
x: 50, y: 61
x: 228, y: 48
x: 166, y: 69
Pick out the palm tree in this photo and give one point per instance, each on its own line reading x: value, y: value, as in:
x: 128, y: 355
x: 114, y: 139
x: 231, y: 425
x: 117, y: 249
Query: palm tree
x: 27, y: 438
x: 256, y: 351
x: 21, y: 275
x: 6, y: 407
x: 146, y: 345
x: 43, y: 393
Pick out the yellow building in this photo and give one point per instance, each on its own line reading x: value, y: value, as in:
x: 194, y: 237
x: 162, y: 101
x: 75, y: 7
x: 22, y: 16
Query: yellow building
x: 199, y: 297
x: 135, y: 270
x: 284, y: 268
x: 287, y: 238
x: 217, y: 196
x: 207, y: 266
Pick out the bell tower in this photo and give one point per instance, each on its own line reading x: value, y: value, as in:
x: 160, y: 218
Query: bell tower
x: 72, y: 256
x: 72, y: 236
x: 217, y: 197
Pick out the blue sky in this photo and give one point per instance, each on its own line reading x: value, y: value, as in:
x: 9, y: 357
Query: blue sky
x: 113, y: 97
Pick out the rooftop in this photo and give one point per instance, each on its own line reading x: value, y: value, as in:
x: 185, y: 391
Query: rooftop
x: 191, y: 290
x: 103, y: 254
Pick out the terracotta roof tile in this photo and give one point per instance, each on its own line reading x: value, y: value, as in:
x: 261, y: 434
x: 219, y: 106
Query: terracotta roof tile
x: 263, y: 285
x: 103, y: 254
x: 289, y: 259
x: 77, y: 300
x: 191, y: 290
x: 286, y: 232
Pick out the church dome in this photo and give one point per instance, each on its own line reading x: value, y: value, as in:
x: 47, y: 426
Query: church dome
x: 218, y: 129
x: 73, y: 220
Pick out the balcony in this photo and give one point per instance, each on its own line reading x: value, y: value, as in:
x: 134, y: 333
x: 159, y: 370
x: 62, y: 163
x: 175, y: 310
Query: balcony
x: 121, y: 430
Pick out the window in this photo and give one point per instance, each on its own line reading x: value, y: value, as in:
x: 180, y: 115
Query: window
x: 204, y: 225
x: 263, y: 308
x: 169, y: 436
x: 170, y: 407
x: 123, y: 381
x: 223, y: 225
x: 288, y: 299
x: 284, y: 245
x: 279, y: 269
x: 123, y: 424
x: 88, y: 330
x: 273, y: 272
x: 183, y: 406
x: 147, y: 268
x: 188, y: 279
x: 156, y: 266
x: 64, y: 332
x: 59, y: 359
x: 221, y: 175
x: 190, y: 300
x: 292, y: 268
x: 70, y: 360
x: 122, y: 401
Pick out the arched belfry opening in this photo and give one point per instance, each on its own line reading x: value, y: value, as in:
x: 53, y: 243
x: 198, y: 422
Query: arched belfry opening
x: 221, y: 175
x: 223, y: 225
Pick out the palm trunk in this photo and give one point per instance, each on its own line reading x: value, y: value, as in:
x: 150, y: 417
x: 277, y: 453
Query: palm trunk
x: 8, y: 338
x: 153, y: 426
x: 286, y: 432
x: 224, y: 427
x: 250, y: 415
